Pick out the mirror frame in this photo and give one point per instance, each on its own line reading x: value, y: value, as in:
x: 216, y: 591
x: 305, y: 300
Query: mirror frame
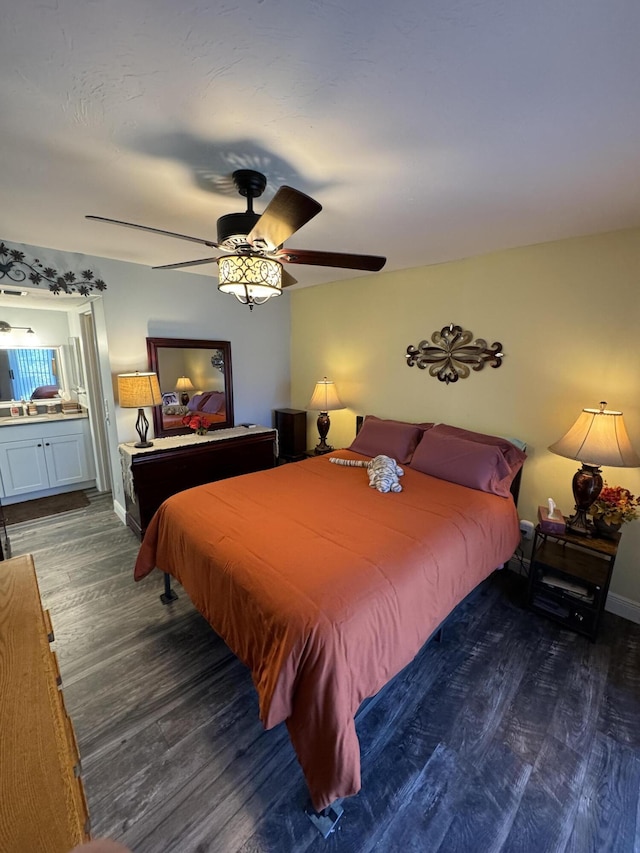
x: 155, y: 344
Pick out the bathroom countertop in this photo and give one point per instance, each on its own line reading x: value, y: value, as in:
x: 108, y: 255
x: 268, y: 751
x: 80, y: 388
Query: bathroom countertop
x: 41, y: 418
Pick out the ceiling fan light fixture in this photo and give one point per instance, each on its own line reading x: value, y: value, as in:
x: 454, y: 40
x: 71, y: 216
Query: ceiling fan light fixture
x: 252, y: 279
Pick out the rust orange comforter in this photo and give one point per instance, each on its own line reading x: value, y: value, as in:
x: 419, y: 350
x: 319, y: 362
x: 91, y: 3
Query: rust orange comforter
x: 326, y: 588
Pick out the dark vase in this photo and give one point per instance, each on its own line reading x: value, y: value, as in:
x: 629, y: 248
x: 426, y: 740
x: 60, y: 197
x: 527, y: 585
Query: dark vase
x: 605, y: 529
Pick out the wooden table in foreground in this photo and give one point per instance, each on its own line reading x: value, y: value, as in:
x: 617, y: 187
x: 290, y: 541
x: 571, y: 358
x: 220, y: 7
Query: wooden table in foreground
x: 42, y: 802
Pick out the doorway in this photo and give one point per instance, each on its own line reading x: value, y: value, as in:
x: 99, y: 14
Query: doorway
x: 95, y: 398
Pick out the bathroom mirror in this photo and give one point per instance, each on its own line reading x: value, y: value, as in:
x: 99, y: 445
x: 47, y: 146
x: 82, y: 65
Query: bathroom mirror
x: 31, y: 372
x: 194, y: 377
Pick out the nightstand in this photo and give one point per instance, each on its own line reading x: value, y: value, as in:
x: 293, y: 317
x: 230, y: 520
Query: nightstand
x: 569, y: 578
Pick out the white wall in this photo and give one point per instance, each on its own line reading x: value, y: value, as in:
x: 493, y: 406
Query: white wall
x: 140, y: 302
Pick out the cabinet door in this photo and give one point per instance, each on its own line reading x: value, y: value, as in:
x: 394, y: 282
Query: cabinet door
x: 23, y: 466
x: 66, y: 457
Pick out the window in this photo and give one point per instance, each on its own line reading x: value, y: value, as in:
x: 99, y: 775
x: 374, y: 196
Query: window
x: 31, y: 369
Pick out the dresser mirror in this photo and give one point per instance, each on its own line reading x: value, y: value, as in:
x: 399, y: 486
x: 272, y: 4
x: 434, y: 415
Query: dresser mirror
x: 195, y: 378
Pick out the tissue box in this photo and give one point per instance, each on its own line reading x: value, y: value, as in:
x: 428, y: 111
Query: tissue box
x: 550, y: 525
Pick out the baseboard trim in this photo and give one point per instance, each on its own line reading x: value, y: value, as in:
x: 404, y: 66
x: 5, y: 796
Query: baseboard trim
x: 625, y: 607
x: 120, y: 511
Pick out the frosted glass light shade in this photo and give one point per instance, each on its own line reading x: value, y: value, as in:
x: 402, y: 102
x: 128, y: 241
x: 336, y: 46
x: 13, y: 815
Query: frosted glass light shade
x: 250, y: 278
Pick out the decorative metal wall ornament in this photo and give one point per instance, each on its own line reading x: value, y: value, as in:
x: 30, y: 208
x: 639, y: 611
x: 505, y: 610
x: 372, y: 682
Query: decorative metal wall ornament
x: 453, y: 355
x: 13, y: 265
x: 217, y: 360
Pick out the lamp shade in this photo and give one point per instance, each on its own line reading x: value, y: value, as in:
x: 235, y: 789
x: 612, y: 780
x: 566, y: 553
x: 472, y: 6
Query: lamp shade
x: 183, y: 383
x: 325, y: 397
x: 136, y: 390
x: 598, y: 437
x: 251, y: 279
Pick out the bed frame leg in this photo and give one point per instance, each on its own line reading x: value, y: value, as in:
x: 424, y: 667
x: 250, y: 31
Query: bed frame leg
x: 325, y: 821
x: 168, y: 595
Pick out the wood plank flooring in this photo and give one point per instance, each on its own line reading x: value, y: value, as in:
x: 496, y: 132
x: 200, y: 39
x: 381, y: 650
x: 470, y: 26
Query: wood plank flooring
x: 510, y: 735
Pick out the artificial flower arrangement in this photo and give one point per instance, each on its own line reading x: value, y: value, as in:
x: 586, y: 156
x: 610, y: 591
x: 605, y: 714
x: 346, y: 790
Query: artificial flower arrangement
x: 615, y: 505
x: 197, y: 423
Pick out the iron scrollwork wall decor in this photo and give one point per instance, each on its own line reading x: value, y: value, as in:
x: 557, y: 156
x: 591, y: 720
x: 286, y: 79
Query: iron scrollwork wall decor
x: 14, y: 266
x: 453, y: 355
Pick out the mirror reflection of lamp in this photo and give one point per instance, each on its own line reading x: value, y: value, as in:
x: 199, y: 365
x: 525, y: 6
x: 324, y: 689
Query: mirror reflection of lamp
x: 6, y: 327
x: 598, y: 437
x: 184, y: 385
x: 324, y: 398
x: 136, y: 390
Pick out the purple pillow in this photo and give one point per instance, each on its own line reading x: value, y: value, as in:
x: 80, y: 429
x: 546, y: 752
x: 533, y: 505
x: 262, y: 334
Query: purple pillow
x: 214, y: 403
x: 391, y: 438
x: 468, y: 463
x: 196, y: 403
x: 514, y: 456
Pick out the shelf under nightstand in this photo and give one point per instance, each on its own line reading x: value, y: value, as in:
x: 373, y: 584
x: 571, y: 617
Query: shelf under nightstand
x: 569, y: 578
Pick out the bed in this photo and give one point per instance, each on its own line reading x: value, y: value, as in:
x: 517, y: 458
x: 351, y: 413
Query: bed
x: 326, y: 588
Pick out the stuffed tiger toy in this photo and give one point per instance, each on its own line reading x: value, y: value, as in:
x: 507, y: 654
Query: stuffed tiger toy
x: 383, y: 471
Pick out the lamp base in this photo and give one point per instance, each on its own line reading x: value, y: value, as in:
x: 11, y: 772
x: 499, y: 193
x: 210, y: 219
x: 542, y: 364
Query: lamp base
x: 587, y: 485
x: 579, y: 523
x: 323, y: 429
x: 142, y: 427
x: 321, y: 448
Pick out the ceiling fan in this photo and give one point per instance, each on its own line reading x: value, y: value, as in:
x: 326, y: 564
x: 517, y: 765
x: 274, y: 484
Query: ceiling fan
x: 250, y: 266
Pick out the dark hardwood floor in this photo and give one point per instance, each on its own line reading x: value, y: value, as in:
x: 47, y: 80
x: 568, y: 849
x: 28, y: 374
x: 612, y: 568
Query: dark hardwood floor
x: 510, y: 735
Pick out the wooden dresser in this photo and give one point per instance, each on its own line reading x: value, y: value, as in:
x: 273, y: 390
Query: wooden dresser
x: 175, y: 464
x: 42, y: 806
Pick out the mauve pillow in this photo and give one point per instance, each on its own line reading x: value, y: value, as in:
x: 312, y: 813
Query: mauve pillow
x: 514, y: 456
x: 468, y: 463
x: 196, y: 403
x: 391, y: 438
x: 214, y: 403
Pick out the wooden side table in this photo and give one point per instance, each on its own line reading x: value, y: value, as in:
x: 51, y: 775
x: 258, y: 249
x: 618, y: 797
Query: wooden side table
x: 569, y: 578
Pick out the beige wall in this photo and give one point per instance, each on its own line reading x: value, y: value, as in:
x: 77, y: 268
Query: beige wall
x: 567, y: 314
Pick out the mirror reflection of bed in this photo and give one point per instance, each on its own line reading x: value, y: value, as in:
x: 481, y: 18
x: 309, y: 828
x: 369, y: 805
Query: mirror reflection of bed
x: 210, y: 405
x: 195, y: 379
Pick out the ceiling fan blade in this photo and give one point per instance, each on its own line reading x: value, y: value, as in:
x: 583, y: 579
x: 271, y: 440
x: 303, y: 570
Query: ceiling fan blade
x: 287, y: 211
x: 372, y: 263
x: 287, y: 278
x: 209, y: 243
x: 186, y: 264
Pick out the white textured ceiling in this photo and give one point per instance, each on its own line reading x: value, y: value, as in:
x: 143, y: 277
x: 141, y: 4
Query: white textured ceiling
x: 428, y: 129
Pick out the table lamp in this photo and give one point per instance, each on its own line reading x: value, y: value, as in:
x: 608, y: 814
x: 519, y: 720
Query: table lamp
x: 325, y: 398
x: 136, y: 390
x: 598, y: 437
x: 184, y: 384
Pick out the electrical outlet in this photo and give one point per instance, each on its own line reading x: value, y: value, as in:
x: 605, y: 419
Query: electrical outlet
x: 526, y: 529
